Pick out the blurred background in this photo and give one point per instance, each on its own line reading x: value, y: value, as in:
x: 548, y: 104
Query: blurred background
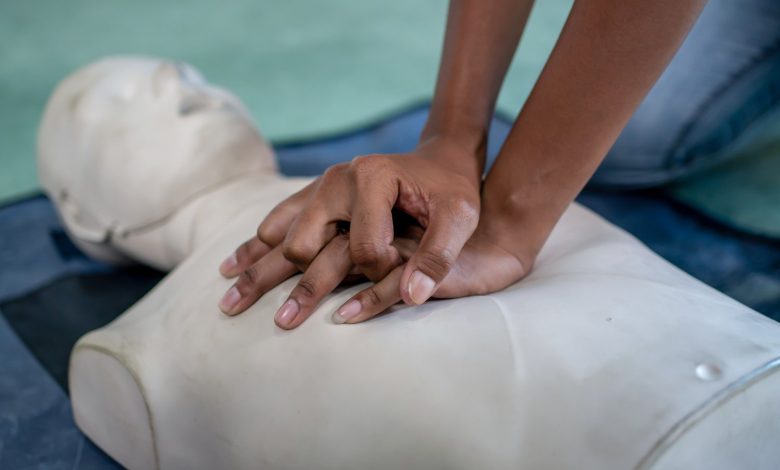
x: 305, y: 68
x: 324, y: 81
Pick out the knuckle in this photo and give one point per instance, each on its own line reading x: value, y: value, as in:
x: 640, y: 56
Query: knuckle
x: 252, y: 275
x: 306, y: 289
x: 361, y: 161
x: 298, y: 254
x: 372, y: 297
x: 365, y: 254
x: 316, y: 207
x: 267, y: 234
x: 248, y: 281
x: 243, y: 252
x: 271, y: 229
x: 364, y: 166
x: 332, y: 174
x: 437, y: 261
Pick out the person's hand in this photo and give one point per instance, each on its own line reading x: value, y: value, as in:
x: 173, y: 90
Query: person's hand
x: 437, y: 185
x: 483, y: 266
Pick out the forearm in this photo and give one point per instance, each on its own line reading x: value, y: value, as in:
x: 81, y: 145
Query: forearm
x: 480, y: 40
x: 607, y: 58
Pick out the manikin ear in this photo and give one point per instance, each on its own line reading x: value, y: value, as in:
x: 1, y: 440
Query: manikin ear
x: 165, y: 78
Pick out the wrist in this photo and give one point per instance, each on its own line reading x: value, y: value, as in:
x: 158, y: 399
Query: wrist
x: 459, y: 149
x: 467, y: 129
x: 532, y: 182
x: 520, y: 218
x: 449, y: 153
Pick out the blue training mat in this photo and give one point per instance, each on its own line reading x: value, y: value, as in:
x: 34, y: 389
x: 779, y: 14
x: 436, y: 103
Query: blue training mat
x: 36, y: 423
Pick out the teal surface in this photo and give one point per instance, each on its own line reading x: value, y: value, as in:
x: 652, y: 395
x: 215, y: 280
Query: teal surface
x: 305, y: 68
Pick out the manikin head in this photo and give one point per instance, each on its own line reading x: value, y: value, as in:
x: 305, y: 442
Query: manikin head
x: 125, y: 142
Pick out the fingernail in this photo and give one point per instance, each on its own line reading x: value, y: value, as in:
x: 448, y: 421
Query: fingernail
x: 347, y: 311
x: 420, y: 287
x: 286, y: 313
x: 229, y: 264
x: 230, y: 299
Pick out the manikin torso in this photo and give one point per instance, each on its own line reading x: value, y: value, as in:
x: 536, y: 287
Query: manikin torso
x: 605, y: 356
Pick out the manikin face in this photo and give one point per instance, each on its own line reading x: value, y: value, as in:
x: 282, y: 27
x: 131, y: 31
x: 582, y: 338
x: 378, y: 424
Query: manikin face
x: 124, y: 142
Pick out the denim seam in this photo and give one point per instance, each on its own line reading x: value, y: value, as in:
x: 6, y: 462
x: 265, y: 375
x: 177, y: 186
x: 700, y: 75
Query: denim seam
x: 671, y: 161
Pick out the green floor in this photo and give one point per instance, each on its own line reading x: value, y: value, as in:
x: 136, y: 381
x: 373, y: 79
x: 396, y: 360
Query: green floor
x: 305, y: 68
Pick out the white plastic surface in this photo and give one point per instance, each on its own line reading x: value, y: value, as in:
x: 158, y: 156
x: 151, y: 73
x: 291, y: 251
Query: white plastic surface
x: 591, y: 362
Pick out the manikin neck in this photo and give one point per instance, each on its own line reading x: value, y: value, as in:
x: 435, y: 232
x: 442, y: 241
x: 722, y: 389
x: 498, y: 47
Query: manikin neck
x: 165, y: 244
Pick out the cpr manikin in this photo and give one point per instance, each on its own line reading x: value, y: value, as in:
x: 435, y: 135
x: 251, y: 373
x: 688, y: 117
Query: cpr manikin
x: 606, y: 356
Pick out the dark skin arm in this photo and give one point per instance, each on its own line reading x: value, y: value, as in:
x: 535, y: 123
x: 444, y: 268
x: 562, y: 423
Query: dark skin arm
x: 480, y: 40
x: 606, y: 59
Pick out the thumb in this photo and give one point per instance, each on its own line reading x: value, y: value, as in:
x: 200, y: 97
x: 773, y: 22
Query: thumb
x: 444, y: 238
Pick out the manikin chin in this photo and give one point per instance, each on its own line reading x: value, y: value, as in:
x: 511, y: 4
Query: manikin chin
x: 606, y: 356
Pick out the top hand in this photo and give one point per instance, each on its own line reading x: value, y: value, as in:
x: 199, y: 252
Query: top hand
x: 437, y: 185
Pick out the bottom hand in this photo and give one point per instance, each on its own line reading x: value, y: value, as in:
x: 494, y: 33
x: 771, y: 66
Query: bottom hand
x: 483, y: 266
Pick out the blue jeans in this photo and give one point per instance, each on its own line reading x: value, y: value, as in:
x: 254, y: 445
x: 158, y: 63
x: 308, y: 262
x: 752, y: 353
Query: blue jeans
x: 723, y: 83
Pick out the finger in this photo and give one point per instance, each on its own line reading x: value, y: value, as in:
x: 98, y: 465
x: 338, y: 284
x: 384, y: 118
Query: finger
x: 270, y: 233
x: 274, y: 227
x: 325, y: 273
x: 247, y: 254
x: 448, y: 230
x: 315, y: 225
x: 270, y: 271
x: 311, y: 231
x: 371, y: 230
x: 372, y: 301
